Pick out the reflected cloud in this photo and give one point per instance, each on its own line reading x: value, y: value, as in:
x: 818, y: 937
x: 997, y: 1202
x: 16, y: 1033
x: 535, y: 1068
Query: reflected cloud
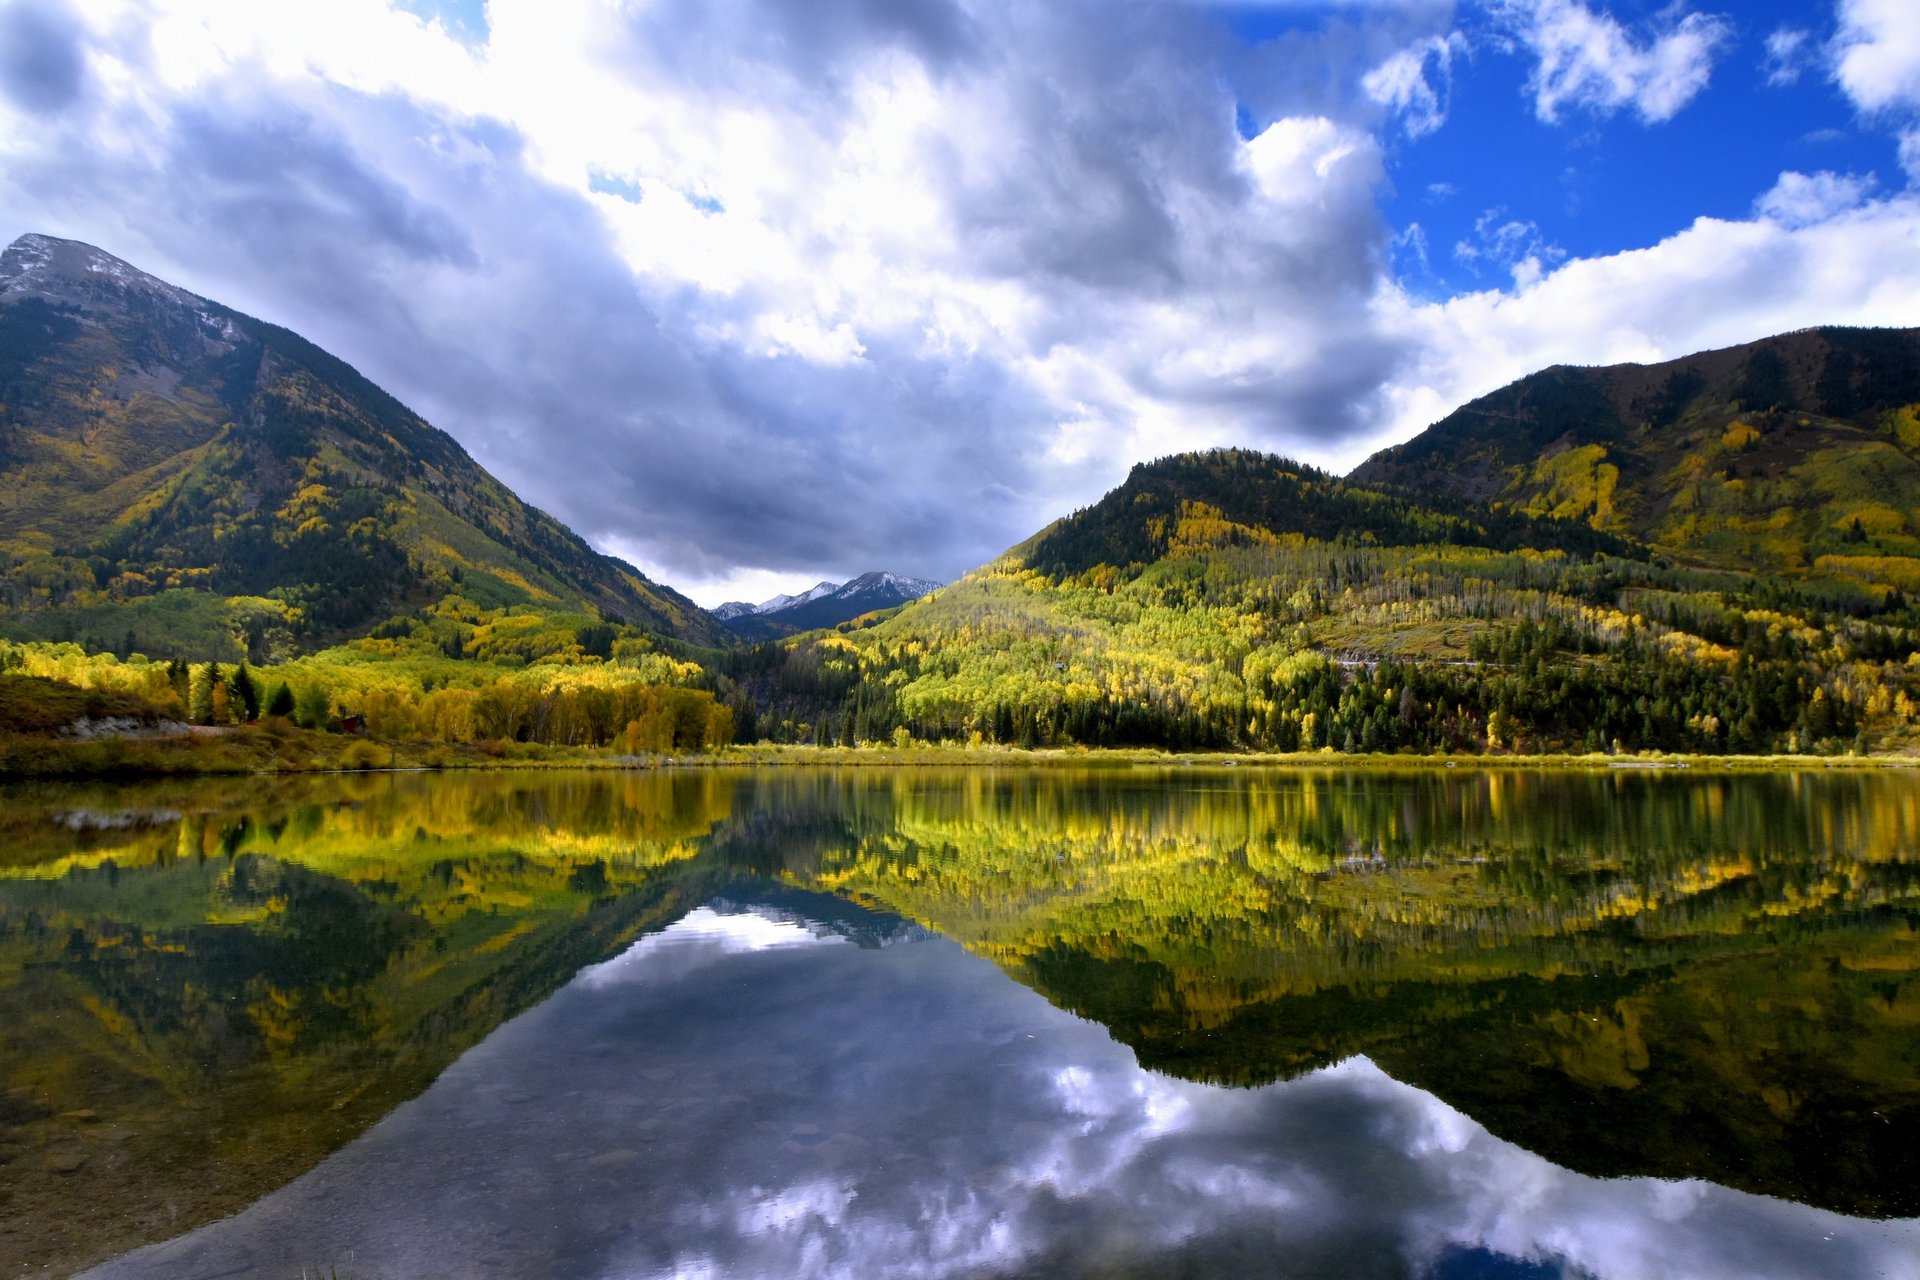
x: 701, y: 937
x: 786, y: 1109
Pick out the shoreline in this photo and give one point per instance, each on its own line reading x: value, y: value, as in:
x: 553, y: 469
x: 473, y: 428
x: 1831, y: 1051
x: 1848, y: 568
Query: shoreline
x: 276, y: 750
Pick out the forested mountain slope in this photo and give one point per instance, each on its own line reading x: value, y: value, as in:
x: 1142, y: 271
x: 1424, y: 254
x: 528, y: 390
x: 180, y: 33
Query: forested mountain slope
x: 1798, y: 454
x: 174, y: 473
x: 1238, y: 600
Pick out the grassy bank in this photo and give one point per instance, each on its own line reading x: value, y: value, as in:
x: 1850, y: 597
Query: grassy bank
x: 279, y: 747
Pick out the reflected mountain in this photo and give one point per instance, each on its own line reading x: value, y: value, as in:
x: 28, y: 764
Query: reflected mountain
x: 1683, y: 976
x: 207, y: 987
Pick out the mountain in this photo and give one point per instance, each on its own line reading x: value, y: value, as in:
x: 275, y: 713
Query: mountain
x: 1240, y: 498
x: 1799, y: 454
x: 826, y: 604
x: 1237, y: 600
x: 741, y: 608
x: 188, y: 475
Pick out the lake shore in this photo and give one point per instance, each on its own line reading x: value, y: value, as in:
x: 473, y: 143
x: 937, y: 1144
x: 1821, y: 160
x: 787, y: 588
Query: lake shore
x: 279, y: 748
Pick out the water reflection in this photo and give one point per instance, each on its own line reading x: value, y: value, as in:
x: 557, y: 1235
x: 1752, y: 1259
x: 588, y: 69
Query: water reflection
x: 741, y: 1097
x: 206, y: 988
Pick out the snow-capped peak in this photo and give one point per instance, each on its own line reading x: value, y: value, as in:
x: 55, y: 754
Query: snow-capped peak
x: 906, y: 588
x: 75, y: 274
x: 859, y: 595
x: 778, y: 603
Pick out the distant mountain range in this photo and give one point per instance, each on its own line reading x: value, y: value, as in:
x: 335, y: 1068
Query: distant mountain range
x: 194, y: 479
x: 826, y: 604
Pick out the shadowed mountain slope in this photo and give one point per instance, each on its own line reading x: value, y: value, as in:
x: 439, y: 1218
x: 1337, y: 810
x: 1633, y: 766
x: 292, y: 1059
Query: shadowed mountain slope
x: 192, y: 469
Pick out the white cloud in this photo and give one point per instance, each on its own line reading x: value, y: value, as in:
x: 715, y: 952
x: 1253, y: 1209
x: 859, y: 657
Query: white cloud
x: 1801, y: 200
x: 1513, y: 244
x: 1588, y: 60
x: 1789, y: 50
x: 1876, y: 61
x: 1877, y: 53
x: 1401, y: 83
x: 1816, y: 254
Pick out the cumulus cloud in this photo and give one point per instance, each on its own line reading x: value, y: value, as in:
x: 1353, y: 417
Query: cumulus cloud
x: 1803, y: 200
x: 1910, y: 153
x: 1876, y: 53
x: 1589, y: 60
x: 1876, y: 62
x: 772, y: 295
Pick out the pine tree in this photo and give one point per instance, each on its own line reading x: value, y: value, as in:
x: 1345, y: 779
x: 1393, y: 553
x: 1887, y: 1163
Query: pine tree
x: 247, y: 693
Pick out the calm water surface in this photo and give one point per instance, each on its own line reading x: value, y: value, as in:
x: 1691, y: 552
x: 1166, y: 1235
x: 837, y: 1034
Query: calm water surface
x: 971, y: 1023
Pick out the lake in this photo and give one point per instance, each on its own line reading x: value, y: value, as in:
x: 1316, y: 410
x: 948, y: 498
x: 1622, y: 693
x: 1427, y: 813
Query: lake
x: 1435, y: 1024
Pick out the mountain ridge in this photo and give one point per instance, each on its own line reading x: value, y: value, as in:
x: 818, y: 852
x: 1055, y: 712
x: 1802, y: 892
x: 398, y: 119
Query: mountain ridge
x: 1781, y: 453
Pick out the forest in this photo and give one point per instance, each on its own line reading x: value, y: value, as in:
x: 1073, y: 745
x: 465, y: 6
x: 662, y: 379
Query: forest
x: 1174, y: 614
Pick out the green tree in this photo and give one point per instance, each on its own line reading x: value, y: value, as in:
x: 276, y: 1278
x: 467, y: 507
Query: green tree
x: 200, y: 682
x: 312, y: 707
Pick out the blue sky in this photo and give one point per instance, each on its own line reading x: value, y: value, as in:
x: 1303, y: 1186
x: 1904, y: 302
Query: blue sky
x: 756, y: 293
x: 1592, y: 183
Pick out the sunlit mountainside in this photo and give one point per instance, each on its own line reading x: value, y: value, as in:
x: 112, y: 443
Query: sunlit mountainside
x: 1240, y: 600
x: 174, y: 472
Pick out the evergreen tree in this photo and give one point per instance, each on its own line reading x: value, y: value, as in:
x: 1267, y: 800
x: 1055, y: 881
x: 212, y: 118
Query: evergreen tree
x: 246, y: 693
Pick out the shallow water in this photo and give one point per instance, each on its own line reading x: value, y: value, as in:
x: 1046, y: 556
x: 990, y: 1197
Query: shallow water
x: 980, y: 1023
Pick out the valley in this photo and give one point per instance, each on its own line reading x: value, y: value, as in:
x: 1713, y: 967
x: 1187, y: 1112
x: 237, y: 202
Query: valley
x: 210, y: 517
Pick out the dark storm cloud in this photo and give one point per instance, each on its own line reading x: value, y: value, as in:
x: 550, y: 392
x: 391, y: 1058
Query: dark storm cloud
x: 1086, y: 155
x: 1110, y: 117
x: 43, y: 66
x: 273, y: 176
x: 1126, y: 184
x: 802, y: 56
